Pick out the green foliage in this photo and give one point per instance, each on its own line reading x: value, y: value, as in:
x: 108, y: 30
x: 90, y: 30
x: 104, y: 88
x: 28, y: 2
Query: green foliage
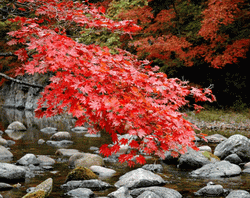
x: 116, y: 6
x: 209, y: 155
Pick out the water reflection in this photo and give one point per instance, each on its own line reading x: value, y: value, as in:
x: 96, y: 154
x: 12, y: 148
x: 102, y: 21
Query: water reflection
x: 15, y: 135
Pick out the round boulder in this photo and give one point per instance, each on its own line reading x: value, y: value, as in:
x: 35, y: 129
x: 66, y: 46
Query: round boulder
x: 16, y: 126
x: 237, y: 144
x: 62, y: 135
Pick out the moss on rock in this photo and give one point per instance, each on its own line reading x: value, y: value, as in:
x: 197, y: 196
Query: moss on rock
x: 36, y: 194
x: 81, y: 173
x: 210, y: 156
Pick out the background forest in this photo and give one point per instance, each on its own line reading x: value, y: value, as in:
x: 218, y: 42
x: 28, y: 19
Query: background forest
x: 205, y: 42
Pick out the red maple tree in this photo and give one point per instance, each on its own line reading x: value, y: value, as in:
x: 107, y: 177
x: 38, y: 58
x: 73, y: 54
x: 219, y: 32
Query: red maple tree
x: 115, y: 92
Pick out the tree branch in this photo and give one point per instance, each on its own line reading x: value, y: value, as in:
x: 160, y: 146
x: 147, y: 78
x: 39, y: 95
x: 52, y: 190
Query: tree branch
x: 21, y: 82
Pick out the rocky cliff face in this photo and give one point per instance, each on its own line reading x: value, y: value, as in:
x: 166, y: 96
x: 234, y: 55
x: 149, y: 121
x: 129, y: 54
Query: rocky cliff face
x: 14, y: 95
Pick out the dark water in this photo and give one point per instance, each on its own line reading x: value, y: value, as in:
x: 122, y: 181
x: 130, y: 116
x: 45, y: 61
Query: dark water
x: 26, y: 142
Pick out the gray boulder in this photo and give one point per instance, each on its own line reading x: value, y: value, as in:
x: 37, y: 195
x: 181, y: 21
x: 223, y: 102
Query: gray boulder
x: 49, y: 130
x: 62, y: 135
x: 62, y: 143
x: 85, y: 160
x: 139, y: 178
x: 162, y: 192
x: 28, y: 159
x: 93, y: 184
x: 193, y: 159
x: 66, y: 152
x: 205, y: 148
x: 81, y: 193
x: 215, y: 138
x: 120, y: 193
x: 4, y: 186
x: 153, y: 167
x: 16, y: 126
x: 5, y: 154
x: 237, y: 144
x: 217, y: 169
x: 211, y: 190
x: 238, y: 194
x: 11, y: 172
x: 148, y: 194
x: 80, y: 130
x: 45, y: 160
x: 3, y: 141
x: 102, y: 171
x: 233, y: 158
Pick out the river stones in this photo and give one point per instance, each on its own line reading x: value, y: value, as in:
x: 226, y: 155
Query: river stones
x: 62, y: 135
x: 211, y: 190
x: 217, y: 169
x: 49, y: 130
x: 16, y: 126
x: 10, y: 172
x: 192, y: 159
x: 42, y: 190
x: 153, y: 167
x: 93, y: 184
x: 3, y: 141
x: 162, y: 192
x: 139, y: 178
x: 81, y: 173
x: 238, y: 194
x: 66, y: 152
x: 237, y: 144
x: 215, y: 138
x: 121, y: 193
x: 81, y: 192
x: 102, y: 171
x: 85, y: 160
x: 5, y: 154
x: 45, y: 160
x: 28, y: 159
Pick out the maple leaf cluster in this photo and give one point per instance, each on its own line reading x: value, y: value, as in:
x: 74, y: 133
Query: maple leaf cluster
x: 115, y: 92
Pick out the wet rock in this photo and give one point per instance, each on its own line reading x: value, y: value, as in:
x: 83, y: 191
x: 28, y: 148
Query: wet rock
x: 27, y: 160
x: 237, y: 144
x: 3, y: 142
x: 41, y: 141
x: 62, y: 135
x: 205, y: 148
x: 5, y: 154
x: 217, y: 169
x: 4, y: 186
x: 66, y: 152
x: 162, y: 192
x: 238, y: 194
x: 80, y: 193
x: 10, y: 172
x: 247, y: 170
x: 49, y: 130
x: 120, y: 193
x: 86, y: 160
x: 215, y: 138
x: 139, y: 178
x: 1, y: 132
x: 15, y: 135
x: 16, y: 126
x: 62, y: 143
x: 80, y: 130
x: 42, y: 190
x: 93, y: 135
x: 10, y: 142
x: 81, y: 173
x: 233, y: 158
x: 102, y: 171
x: 148, y: 194
x: 153, y: 167
x: 93, y: 184
x: 211, y: 190
x: 193, y: 159
x: 45, y: 160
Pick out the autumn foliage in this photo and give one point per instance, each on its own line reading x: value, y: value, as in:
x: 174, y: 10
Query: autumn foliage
x: 112, y: 92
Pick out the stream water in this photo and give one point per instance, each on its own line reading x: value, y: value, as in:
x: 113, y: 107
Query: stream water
x: 26, y: 142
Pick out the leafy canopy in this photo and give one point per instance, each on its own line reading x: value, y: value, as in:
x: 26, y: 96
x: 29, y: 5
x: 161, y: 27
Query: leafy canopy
x: 114, y: 92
